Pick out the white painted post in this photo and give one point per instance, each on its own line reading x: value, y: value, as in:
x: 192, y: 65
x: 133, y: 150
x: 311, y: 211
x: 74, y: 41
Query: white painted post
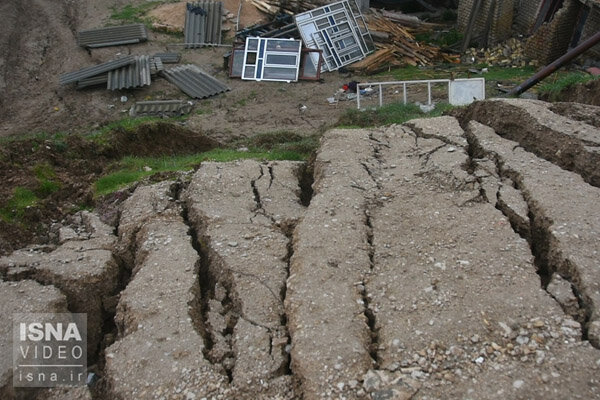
x: 429, y: 93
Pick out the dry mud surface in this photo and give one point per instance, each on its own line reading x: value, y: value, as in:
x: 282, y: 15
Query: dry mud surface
x: 454, y: 257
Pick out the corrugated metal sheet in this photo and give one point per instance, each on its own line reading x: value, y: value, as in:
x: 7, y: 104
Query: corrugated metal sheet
x: 156, y: 65
x: 93, y: 81
x: 94, y: 70
x: 203, y: 23
x: 161, y: 107
x: 113, y: 36
x: 168, y: 58
x: 130, y: 76
x: 194, y: 82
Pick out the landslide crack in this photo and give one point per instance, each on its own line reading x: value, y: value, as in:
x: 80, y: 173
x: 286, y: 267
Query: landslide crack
x: 305, y: 182
x: 212, y: 310
x: 366, y: 297
x: 548, y: 258
x: 256, y: 192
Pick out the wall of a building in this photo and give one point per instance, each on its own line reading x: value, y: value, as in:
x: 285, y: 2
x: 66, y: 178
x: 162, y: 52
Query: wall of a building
x: 591, y: 27
x: 501, y: 22
x: 525, y: 15
x: 552, y: 39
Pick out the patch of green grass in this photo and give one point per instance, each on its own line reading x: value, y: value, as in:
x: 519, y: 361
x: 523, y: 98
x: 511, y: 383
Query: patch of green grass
x: 506, y: 73
x: 445, y: 72
x: 47, y: 180
x: 133, y: 14
x: 397, y: 113
x: 16, y: 205
x: 553, y: 86
x: 132, y: 169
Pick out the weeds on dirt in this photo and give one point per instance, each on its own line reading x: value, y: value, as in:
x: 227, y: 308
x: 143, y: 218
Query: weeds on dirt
x: 21, y: 199
x: 47, y: 180
x: 553, y: 87
x: 389, y: 114
x: 134, y: 14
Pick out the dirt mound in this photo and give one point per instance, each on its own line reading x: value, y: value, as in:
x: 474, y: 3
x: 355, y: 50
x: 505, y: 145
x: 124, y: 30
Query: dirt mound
x: 157, y: 139
x: 54, y: 175
x: 585, y: 93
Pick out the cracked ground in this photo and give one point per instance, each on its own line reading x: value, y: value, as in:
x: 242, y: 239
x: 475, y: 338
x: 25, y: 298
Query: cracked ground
x: 453, y: 257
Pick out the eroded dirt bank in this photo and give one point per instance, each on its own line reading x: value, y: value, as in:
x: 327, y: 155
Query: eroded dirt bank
x: 445, y: 258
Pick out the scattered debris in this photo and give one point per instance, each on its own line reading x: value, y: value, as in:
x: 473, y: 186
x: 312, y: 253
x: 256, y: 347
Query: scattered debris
x: 203, y: 23
x: 507, y: 54
x: 112, y: 36
x: 271, y: 59
x: 281, y: 26
x: 95, y: 70
x: 168, y: 58
x: 194, y: 82
x: 397, y: 47
x: 130, y: 76
x: 339, y: 30
x: 161, y: 107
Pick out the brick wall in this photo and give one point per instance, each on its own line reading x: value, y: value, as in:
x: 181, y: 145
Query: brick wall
x: 502, y: 20
x: 552, y: 39
x: 525, y: 15
x: 592, y: 26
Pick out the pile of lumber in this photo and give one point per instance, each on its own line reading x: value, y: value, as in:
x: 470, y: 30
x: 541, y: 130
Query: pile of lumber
x: 274, y: 7
x: 397, y: 46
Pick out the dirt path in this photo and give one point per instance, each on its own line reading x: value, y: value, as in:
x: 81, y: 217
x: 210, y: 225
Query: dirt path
x: 437, y: 259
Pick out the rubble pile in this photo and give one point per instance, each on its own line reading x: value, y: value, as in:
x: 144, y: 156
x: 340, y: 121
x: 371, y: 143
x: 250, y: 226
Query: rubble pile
x: 506, y: 54
x: 397, y: 46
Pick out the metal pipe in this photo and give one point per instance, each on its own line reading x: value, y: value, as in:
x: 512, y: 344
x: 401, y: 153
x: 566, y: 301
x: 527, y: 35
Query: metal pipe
x: 559, y: 62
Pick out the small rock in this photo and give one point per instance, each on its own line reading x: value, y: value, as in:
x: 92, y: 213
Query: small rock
x: 371, y: 381
x: 475, y: 338
x: 232, y: 244
x: 522, y: 340
x: 518, y: 384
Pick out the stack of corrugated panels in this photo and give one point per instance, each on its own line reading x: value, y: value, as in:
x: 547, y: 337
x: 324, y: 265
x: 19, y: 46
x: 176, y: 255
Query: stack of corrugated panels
x: 94, y: 70
x: 168, y: 58
x: 194, y: 82
x: 130, y: 76
x: 161, y: 107
x: 113, y: 36
x: 93, y: 81
x: 203, y: 23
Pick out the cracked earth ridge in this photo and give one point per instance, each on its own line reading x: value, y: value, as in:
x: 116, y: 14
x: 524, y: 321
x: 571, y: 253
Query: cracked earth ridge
x: 455, y: 285
x: 570, y: 142
x: 326, y: 299
x: 563, y: 215
x: 431, y: 262
x: 243, y: 215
